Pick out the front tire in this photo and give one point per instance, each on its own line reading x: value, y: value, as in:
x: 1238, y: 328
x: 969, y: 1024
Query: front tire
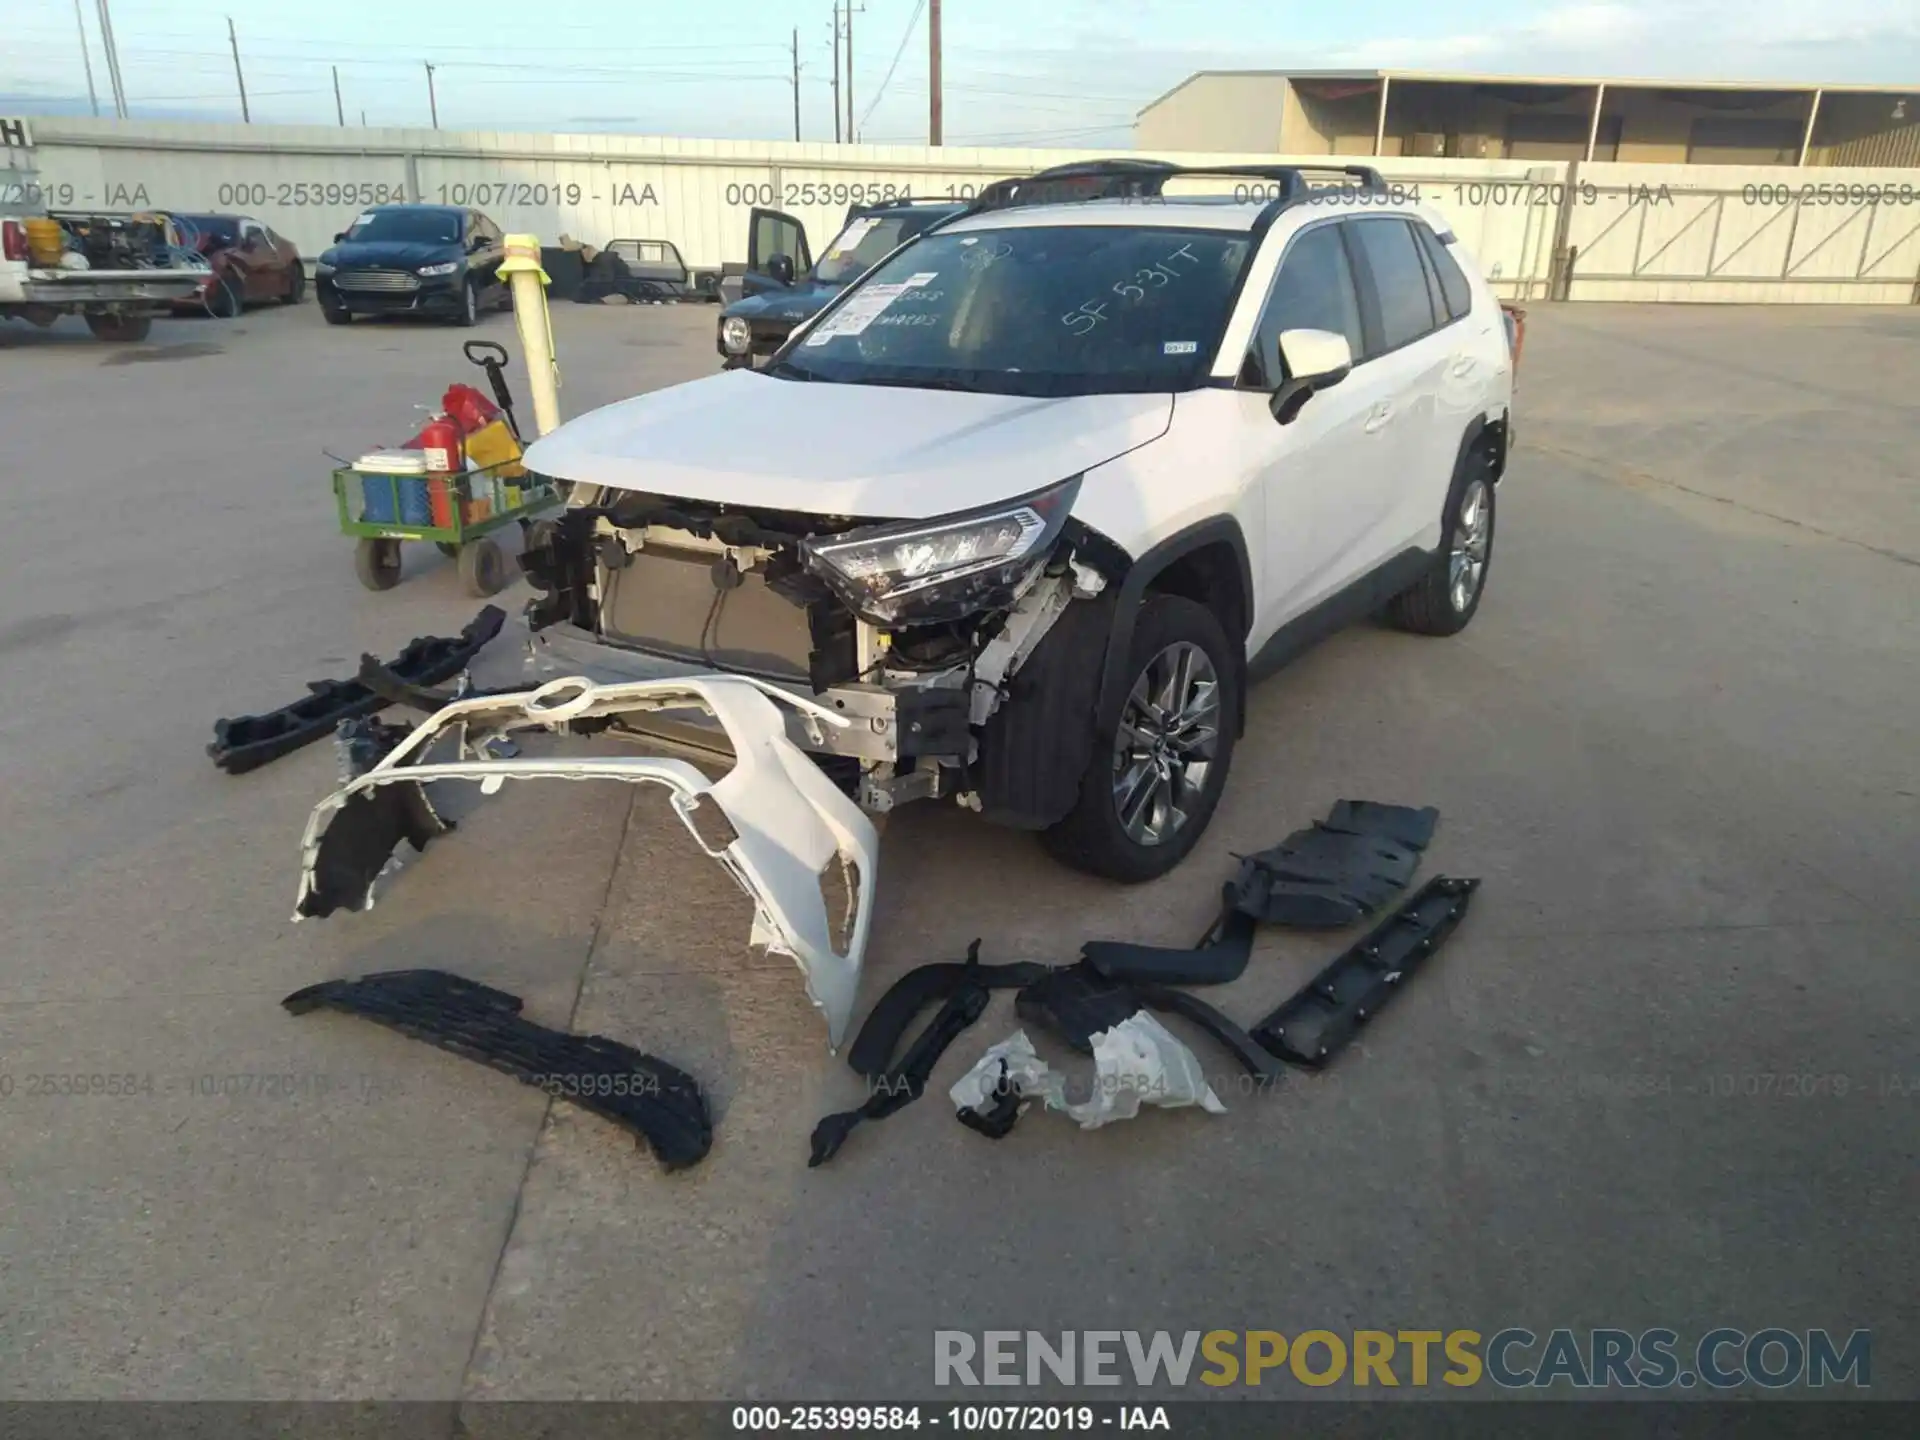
x: 469, y: 306
x: 1445, y: 599
x: 296, y: 285
x: 224, y: 301
x: 336, y: 314
x: 377, y: 562
x: 483, y: 569
x: 1159, y: 767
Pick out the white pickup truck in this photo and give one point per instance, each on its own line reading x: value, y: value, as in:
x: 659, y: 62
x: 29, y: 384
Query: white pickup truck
x: 115, y: 274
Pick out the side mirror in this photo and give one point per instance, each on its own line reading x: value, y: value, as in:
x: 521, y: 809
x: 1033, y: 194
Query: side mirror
x: 339, y: 237
x: 1313, y: 360
x: 780, y: 268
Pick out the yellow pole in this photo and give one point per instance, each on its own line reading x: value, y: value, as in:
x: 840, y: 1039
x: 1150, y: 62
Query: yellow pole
x: 529, y: 282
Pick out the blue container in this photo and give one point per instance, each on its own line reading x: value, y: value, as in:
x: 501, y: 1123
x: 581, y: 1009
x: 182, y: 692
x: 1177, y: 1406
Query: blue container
x: 377, y: 495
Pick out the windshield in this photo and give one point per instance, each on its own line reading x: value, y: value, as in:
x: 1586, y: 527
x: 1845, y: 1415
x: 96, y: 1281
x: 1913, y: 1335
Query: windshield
x: 1055, y: 310
x: 863, y: 242
x: 433, y: 227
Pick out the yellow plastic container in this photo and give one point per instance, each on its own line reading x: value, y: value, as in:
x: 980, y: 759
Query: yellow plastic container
x: 46, y: 242
x: 495, y: 445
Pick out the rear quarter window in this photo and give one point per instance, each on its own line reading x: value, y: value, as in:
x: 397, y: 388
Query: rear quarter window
x: 1399, y: 280
x: 1453, y: 280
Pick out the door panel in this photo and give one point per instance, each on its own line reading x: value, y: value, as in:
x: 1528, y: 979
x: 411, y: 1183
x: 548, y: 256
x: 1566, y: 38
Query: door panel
x: 770, y: 233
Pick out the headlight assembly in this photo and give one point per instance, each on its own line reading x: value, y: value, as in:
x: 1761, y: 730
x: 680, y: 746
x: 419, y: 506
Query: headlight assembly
x: 736, y: 335
x: 446, y: 268
x: 927, y: 572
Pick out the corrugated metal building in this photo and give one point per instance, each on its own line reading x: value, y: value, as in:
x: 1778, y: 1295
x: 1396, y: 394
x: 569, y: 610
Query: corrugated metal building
x: 1489, y: 117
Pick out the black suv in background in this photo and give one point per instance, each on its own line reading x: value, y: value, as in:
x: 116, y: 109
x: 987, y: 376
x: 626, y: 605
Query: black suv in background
x: 783, y: 285
x: 413, y: 259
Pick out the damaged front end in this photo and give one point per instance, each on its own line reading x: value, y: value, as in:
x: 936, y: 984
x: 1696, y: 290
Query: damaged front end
x: 788, y: 836
x: 912, y: 632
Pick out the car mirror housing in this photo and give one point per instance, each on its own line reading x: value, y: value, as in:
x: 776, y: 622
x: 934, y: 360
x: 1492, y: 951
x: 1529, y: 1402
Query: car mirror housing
x: 1313, y: 361
x: 780, y: 268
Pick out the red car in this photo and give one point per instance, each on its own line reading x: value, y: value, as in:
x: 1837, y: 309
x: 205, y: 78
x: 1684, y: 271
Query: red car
x: 250, y: 261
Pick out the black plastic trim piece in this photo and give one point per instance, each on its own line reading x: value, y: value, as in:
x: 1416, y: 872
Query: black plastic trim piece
x: 658, y: 1102
x: 1220, y: 956
x: 1313, y: 1025
x: 1037, y: 745
x: 250, y: 741
x: 1337, y: 611
x: 899, y: 1088
x: 1076, y: 1003
x: 871, y: 1053
x: 1241, y: 1045
x: 1139, y: 579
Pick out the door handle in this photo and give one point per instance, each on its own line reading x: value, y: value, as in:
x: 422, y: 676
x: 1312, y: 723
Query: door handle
x: 1379, y: 416
x: 1464, y: 365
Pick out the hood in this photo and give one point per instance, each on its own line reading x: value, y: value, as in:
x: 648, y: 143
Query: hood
x: 796, y: 304
x: 863, y: 451
x: 395, y: 254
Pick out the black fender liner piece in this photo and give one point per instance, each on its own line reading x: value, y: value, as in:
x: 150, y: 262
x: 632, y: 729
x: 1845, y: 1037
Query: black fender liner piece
x: 1114, y: 679
x: 872, y: 1051
x: 1314, y: 1024
x: 1340, y: 869
x: 1220, y: 956
x: 658, y: 1102
x: 901, y: 1087
x: 250, y: 741
x: 1035, y: 749
x: 1243, y: 1047
x: 361, y: 839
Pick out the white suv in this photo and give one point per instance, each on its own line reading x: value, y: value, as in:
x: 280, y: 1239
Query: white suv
x: 1033, y: 503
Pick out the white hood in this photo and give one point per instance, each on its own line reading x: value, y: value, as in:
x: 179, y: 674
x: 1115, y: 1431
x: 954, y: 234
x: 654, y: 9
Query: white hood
x: 872, y: 451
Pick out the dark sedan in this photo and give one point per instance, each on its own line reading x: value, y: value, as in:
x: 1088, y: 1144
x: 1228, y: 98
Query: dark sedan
x: 783, y: 286
x: 436, y: 260
x: 249, y: 263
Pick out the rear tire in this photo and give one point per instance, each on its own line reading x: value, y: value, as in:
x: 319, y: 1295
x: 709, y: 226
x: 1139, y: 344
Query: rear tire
x: 1159, y: 767
x: 377, y: 563
x: 1445, y: 599
x: 120, y: 329
x: 483, y: 569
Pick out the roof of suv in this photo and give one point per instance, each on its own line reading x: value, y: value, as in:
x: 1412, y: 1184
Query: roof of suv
x: 1188, y: 212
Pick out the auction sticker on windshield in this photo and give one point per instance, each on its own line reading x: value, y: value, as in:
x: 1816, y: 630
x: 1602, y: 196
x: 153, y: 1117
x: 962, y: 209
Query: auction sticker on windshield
x: 864, y: 308
x: 852, y: 236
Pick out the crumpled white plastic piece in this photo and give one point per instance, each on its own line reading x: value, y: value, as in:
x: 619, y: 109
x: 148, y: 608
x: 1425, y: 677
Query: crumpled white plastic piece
x: 1139, y: 1061
x: 1026, y: 1071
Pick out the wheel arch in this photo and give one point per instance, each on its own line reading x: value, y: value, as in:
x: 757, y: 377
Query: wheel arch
x: 1208, y: 563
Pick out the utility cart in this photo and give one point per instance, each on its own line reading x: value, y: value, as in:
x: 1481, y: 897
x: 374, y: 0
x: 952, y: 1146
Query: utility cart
x: 459, y: 514
x: 454, y: 484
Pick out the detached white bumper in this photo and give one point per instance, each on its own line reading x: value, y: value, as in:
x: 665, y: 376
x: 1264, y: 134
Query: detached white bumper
x: 790, y: 824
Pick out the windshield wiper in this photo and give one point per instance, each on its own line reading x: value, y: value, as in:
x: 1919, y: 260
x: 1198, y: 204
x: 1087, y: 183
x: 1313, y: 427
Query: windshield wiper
x: 787, y: 370
x: 897, y: 381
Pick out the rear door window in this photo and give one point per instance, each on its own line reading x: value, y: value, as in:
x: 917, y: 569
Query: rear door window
x: 1399, y: 280
x: 1453, y: 281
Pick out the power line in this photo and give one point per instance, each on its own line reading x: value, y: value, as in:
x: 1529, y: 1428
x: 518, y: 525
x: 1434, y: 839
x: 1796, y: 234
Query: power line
x: 899, y: 50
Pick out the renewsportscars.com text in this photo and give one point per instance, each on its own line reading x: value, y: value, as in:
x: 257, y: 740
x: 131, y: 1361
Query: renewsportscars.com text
x: 1514, y: 1358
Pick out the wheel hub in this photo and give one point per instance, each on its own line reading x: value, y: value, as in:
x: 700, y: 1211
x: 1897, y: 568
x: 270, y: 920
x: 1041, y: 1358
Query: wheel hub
x: 1163, y: 751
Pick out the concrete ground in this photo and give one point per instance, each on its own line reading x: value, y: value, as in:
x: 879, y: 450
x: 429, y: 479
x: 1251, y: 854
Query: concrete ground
x: 1665, y: 1075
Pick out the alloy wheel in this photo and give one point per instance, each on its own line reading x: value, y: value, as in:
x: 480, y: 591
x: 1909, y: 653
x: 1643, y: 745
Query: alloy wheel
x: 1472, y: 542
x: 1164, y: 751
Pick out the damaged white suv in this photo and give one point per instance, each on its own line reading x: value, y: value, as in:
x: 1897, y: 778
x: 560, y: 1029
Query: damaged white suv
x: 1031, y: 504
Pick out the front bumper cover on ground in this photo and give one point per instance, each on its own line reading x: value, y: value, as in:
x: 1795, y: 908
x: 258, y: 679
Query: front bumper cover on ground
x: 794, y: 835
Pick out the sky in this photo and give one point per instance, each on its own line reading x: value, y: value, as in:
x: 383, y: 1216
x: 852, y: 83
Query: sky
x: 1071, y: 72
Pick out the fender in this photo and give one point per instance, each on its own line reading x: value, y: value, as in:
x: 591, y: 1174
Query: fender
x: 1133, y: 589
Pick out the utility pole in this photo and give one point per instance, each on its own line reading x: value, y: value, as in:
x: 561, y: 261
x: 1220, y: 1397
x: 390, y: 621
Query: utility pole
x: 836, y: 70
x: 850, y: 10
x: 339, y: 111
x: 233, y: 43
x: 86, y: 58
x: 432, y: 103
x: 796, y: 83
x: 113, y: 59
x: 933, y: 72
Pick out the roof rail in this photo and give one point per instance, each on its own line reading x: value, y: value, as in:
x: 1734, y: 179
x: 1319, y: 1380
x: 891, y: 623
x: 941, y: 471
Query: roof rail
x: 1117, y: 179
